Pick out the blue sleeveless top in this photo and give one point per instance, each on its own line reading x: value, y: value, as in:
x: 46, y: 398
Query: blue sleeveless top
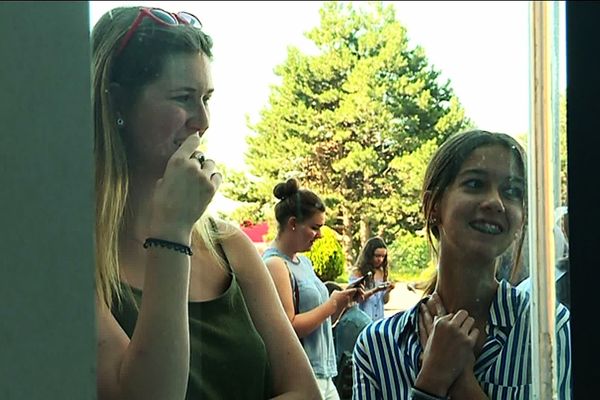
x: 318, y: 345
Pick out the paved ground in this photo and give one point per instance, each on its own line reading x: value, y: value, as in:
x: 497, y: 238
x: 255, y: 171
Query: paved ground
x: 401, y: 299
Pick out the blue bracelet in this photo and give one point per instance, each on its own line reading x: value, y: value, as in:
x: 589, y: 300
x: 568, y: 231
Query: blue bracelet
x: 417, y: 394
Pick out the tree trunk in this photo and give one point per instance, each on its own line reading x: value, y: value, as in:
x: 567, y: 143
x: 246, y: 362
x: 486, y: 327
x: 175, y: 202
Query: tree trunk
x: 365, y: 230
x: 347, y: 237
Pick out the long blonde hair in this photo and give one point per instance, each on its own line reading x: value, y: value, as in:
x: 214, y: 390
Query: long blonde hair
x: 134, y: 67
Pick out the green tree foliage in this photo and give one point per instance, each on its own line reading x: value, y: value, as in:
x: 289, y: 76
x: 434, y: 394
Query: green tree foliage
x: 562, y: 143
x: 243, y: 188
x: 356, y: 122
x: 409, y: 254
x: 327, y: 256
x: 562, y: 131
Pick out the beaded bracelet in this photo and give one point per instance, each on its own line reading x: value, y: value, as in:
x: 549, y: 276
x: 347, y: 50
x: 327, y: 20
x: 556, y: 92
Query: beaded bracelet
x: 169, y: 245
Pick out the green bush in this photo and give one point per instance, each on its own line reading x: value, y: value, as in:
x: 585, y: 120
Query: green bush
x: 408, y: 256
x: 327, y: 256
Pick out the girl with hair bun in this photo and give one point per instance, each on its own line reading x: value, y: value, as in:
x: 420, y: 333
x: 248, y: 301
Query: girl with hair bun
x: 300, y: 214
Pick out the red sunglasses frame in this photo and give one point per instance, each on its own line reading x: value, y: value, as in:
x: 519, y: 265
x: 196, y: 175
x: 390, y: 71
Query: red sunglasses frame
x: 147, y: 12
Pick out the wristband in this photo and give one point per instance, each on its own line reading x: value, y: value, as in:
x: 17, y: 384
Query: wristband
x: 417, y: 394
x: 169, y: 245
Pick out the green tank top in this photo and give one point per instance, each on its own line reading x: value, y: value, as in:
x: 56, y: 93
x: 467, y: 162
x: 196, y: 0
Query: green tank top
x: 228, y: 357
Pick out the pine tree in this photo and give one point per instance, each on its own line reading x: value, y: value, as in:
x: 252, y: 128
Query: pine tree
x: 356, y: 123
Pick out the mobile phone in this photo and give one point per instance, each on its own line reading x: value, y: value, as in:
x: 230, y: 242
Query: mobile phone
x: 358, y: 282
x: 384, y: 285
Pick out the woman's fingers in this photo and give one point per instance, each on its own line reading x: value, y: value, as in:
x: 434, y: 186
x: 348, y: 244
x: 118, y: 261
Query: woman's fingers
x: 473, y: 335
x: 436, y: 301
x: 188, y: 147
x: 426, y: 319
x: 208, y: 167
x: 467, y: 324
x: 187, y: 187
x: 360, y: 294
x: 216, y: 178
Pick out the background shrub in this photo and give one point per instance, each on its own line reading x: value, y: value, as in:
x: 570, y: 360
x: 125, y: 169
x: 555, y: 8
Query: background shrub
x: 409, y: 256
x: 327, y: 255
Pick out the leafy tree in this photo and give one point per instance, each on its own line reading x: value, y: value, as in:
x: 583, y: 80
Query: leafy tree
x: 562, y: 138
x: 562, y: 126
x: 355, y: 122
x: 409, y: 254
x: 243, y: 188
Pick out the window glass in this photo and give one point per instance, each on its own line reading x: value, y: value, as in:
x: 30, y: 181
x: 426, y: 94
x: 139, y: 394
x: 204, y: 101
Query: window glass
x: 475, y: 53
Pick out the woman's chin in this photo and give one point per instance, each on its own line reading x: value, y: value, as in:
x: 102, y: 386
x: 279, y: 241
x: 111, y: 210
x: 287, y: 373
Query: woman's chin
x: 308, y: 247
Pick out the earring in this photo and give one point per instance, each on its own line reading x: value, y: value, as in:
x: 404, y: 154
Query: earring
x: 433, y: 221
x: 120, y: 120
x: 293, y: 228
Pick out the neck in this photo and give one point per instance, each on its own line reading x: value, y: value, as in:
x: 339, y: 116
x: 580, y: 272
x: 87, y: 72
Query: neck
x: 284, y: 246
x: 468, y: 285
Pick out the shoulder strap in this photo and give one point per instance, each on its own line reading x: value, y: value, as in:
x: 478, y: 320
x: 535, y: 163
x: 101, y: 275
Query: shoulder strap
x: 218, y: 243
x: 296, y: 291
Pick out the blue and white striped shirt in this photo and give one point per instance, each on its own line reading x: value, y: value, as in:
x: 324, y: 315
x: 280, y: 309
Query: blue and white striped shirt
x: 386, y: 355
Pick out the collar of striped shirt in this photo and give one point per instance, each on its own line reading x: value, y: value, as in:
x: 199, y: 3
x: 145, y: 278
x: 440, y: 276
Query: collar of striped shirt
x: 503, y: 368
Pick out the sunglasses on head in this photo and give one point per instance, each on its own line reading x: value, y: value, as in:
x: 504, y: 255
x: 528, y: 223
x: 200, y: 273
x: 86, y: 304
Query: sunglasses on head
x: 160, y: 17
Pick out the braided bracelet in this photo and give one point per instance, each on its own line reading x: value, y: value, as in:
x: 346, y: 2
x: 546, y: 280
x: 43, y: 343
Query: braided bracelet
x: 182, y: 248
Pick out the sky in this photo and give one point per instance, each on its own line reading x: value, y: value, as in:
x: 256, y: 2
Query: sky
x: 482, y: 47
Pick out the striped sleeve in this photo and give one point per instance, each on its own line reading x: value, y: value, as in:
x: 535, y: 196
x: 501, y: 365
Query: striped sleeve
x: 364, y: 381
x: 563, y: 355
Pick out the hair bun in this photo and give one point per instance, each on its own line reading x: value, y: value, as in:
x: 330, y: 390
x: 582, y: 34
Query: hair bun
x: 286, y: 189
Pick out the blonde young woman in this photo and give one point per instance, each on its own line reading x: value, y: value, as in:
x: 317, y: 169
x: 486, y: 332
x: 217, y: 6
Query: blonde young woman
x: 185, y: 306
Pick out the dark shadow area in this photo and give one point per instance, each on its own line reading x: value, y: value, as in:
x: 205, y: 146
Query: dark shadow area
x: 583, y: 141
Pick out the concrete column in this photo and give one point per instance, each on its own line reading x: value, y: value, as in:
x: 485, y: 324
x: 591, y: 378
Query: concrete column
x: 47, y: 322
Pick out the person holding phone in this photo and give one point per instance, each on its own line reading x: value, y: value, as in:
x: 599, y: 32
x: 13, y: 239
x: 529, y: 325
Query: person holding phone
x: 372, y: 270
x: 300, y: 214
x: 185, y: 306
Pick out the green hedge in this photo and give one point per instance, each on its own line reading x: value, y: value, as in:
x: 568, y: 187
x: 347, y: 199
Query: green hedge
x: 327, y: 255
x: 408, y: 256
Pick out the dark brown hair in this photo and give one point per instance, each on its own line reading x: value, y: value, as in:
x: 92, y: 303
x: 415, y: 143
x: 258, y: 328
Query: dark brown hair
x: 295, y: 202
x: 364, y: 264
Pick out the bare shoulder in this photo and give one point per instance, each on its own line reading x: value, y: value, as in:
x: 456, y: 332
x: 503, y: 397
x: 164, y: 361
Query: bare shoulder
x: 277, y: 268
x: 275, y: 261
x: 239, y: 249
x: 232, y: 236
